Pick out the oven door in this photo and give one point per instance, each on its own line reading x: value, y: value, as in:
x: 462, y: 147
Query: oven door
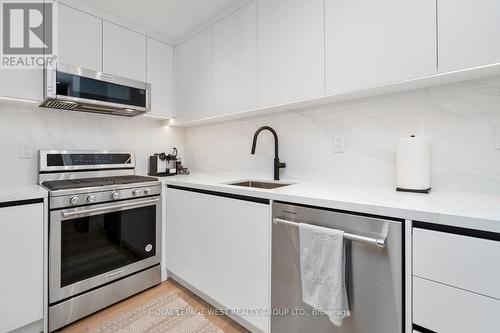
x: 94, y: 245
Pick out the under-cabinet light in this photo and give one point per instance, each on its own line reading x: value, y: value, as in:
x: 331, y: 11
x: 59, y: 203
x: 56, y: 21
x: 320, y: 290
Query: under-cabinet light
x: 18, y: 100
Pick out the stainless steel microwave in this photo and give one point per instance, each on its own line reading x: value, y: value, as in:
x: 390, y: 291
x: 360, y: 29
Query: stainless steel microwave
x: 78, y: 89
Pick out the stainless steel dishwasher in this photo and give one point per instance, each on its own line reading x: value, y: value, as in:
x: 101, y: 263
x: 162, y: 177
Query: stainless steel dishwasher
x: 374, y: 272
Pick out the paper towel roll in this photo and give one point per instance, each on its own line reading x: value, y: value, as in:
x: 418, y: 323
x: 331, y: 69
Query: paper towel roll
x: 413, y: 164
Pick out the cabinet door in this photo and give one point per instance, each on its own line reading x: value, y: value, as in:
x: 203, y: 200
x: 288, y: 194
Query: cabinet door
x: 235, y: 61
x: 221, y: 246
x: 21, y: 259
x: 468, y: 33
x: 160, y: 73
x: 194, y: 86
x: 372, y: 43
x: 80, y: 39
x: 446, y: 309
x: 291, y: 50
x: 453, y: 260
x: 21, y: 83
x: 124, y: 52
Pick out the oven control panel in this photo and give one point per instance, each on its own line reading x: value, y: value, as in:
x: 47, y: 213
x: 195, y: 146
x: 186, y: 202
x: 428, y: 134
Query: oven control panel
x: 83, y: 199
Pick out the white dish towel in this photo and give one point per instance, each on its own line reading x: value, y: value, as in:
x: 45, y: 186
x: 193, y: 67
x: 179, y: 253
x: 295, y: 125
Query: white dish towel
x: 322, y: 270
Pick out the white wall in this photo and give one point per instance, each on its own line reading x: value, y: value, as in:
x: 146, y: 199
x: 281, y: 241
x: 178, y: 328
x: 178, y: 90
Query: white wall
x: 53, y: 129
x: 458, y: 119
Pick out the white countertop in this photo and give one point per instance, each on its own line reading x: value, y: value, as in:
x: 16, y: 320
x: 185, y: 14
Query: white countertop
x: 467, y: 210
x: 25, y: 192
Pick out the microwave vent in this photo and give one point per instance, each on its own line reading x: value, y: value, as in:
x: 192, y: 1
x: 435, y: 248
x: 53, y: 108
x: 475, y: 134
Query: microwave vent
x: 55, y: 104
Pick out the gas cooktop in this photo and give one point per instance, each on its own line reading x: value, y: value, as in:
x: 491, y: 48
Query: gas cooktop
x: 67, y: 184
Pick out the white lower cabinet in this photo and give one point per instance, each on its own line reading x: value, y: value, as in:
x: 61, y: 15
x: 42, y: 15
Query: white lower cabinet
x: 455, y: 282
x: 21, y: 266
x: 454, y: 260
x: 445, y: 309
x: 221, y: 246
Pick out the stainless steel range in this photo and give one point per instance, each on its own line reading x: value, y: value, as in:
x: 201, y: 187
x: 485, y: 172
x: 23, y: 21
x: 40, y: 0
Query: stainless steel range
x: 104, y: 231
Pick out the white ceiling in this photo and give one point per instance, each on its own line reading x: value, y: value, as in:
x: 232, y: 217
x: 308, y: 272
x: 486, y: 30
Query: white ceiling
x: 170, y: 18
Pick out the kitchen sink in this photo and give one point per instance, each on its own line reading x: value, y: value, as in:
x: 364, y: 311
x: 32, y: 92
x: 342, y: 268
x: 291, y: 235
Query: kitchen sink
x: 259, y: 184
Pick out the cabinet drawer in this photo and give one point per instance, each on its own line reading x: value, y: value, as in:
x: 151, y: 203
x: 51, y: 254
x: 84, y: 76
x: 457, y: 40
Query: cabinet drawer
x: 461, y: 261
x: 446, y: 309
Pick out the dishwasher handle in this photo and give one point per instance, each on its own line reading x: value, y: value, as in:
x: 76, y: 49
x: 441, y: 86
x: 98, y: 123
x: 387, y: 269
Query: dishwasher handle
x: 379, y: 242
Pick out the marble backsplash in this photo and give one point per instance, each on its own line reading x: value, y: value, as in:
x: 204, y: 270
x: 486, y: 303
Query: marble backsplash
x: 53, y: 129
x: 459, y: 120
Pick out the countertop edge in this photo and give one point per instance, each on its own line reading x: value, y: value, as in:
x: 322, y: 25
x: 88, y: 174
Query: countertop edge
x: 23, y: 193
x: 445, y: 219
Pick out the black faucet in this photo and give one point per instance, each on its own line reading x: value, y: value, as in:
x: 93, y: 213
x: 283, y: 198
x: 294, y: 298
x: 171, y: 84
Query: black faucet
x: 277, y: 164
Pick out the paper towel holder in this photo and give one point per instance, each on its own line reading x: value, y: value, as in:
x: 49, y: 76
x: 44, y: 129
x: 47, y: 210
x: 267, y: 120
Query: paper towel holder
x: 408, y: 189
x: 425, y: 191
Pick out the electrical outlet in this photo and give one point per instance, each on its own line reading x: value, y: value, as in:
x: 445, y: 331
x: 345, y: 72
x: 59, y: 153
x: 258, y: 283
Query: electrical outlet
x: 338, y: 144
x: 26, y: 151
x: 497, y: 134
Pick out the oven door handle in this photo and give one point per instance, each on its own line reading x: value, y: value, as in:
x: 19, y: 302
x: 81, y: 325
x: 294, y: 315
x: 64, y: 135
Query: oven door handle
x: 107, y: 208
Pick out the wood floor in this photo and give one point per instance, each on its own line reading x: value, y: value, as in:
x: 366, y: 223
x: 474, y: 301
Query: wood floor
x: 91, y: 322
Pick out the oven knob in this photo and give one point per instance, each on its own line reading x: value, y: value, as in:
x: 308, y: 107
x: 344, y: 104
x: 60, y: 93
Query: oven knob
x: 147, y: 191
x: 115, y: 195
x: 91, y: 198
x: 136, y: 192
x: 74, y: 200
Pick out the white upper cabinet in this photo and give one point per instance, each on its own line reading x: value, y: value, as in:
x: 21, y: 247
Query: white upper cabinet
x: 194, y: 75
x: 160, y: 73
x: 372, y: 43
x: 80, y: 39
x: 291, y: 50
x: 468, y: 33
x: 235, y: 61
x: 124, y: 52
x: 22, y: 83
